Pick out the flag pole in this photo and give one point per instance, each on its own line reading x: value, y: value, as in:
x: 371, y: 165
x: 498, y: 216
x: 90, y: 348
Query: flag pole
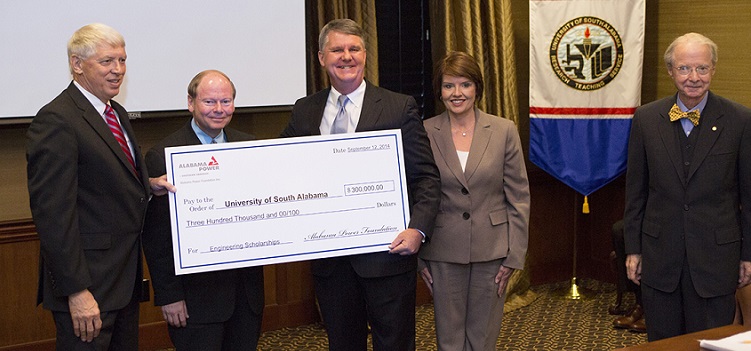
x: 574, y: 291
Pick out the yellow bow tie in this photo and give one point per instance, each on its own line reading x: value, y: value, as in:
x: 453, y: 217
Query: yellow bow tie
x: 676, y: 114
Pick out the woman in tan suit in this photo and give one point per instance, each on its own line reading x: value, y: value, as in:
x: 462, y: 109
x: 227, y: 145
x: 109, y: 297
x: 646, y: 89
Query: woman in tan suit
x: 481, y: 229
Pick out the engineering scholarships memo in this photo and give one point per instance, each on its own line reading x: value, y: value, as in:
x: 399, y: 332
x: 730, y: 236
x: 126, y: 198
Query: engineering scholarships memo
x: 261, y: 202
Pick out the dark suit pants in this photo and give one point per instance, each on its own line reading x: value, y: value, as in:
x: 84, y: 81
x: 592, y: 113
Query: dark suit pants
x: 619, y: 246
x: 683, y: 310
x: 349, y: 302
x: 240, y: 332
x: 119, y: 331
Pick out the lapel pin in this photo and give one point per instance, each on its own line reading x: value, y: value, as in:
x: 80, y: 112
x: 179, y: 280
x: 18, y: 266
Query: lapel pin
x: 714, y: 128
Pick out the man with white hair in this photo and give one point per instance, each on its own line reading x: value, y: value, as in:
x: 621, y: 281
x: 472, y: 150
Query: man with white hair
x: 88, y: 190
x: 687, y: 234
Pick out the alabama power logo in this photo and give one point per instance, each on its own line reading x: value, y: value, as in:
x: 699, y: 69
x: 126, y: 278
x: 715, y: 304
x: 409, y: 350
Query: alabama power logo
x: 586, y: 53
x: 211, y: 165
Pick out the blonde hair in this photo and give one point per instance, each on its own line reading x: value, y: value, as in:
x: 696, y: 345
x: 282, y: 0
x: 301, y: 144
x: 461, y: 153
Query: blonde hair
x: 87, y: 39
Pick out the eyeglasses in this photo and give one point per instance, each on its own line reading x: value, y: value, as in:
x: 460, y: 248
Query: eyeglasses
x: 686, y: 70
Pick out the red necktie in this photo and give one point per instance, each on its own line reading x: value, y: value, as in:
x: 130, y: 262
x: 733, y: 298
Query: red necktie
x: 114, y: 125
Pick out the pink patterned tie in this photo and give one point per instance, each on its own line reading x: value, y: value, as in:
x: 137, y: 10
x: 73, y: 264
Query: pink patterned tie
x: 114, y: 125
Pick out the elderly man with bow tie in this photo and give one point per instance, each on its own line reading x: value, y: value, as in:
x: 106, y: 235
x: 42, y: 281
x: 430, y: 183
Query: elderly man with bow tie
x: 687, y: 234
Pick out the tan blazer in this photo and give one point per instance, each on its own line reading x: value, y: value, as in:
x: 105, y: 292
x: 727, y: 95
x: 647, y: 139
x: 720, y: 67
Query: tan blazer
x: 484, y: 211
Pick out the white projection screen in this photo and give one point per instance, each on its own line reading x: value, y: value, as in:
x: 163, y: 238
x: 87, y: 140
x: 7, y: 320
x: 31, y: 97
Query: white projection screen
x: 260, y: 45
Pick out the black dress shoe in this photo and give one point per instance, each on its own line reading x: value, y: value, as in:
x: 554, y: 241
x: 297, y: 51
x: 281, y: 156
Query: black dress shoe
x: 625, y: 322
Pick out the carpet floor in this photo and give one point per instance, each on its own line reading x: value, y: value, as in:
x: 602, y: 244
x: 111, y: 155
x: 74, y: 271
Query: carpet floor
x: 549, y: 323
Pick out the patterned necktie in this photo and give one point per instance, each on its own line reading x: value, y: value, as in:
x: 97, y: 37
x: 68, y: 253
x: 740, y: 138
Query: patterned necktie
x: 342, y: 117
x: 676, y: 114
x: 114, y: 125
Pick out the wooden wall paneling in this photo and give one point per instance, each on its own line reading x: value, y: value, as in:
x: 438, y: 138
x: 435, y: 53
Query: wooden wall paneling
x: 556, y: 218
x: 606, y: 207
x: 267, y: 125
x: 551, y: 228
x: 292, y: 300
x: 22, y: 320
x: 13, y: 191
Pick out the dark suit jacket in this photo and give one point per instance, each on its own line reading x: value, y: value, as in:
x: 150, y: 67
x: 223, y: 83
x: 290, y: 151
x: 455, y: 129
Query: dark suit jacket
x: 88, y: 205
x: 493, y: 189
x: 382, y: 109
x: 210, y: 297
x: 670, y: 216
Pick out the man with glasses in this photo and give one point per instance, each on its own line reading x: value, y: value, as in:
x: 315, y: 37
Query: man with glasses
x: 689, y: 170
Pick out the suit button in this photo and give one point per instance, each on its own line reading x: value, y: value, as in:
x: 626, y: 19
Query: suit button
x: 465, y: 191
x: 465, y: 215
x: 686, y: 163
x: 685, y: 207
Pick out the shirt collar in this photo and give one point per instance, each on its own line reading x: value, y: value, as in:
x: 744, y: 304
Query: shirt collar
x: 98, y: 104
x: 356, y: 97
x: 699, y: 106
x: 205, y: 138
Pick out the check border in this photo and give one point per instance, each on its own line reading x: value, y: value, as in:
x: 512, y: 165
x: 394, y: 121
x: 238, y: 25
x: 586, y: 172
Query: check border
x: 172, y: 154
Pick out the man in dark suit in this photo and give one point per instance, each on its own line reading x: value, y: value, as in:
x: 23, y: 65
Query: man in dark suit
x: 377, y: 288
x: 688, y: 190
x: 88, y: 194
x: 219, y: 310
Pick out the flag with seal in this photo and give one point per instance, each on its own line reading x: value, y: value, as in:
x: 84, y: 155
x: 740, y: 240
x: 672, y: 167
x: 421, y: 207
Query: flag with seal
x: 585, y: 84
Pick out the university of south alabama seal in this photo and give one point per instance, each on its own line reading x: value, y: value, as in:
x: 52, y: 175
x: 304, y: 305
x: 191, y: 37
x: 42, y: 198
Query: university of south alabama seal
x: 586, y: 53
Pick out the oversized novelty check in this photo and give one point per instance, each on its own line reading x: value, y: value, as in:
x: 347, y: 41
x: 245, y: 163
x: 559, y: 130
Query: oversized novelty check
x: 271, y: 201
